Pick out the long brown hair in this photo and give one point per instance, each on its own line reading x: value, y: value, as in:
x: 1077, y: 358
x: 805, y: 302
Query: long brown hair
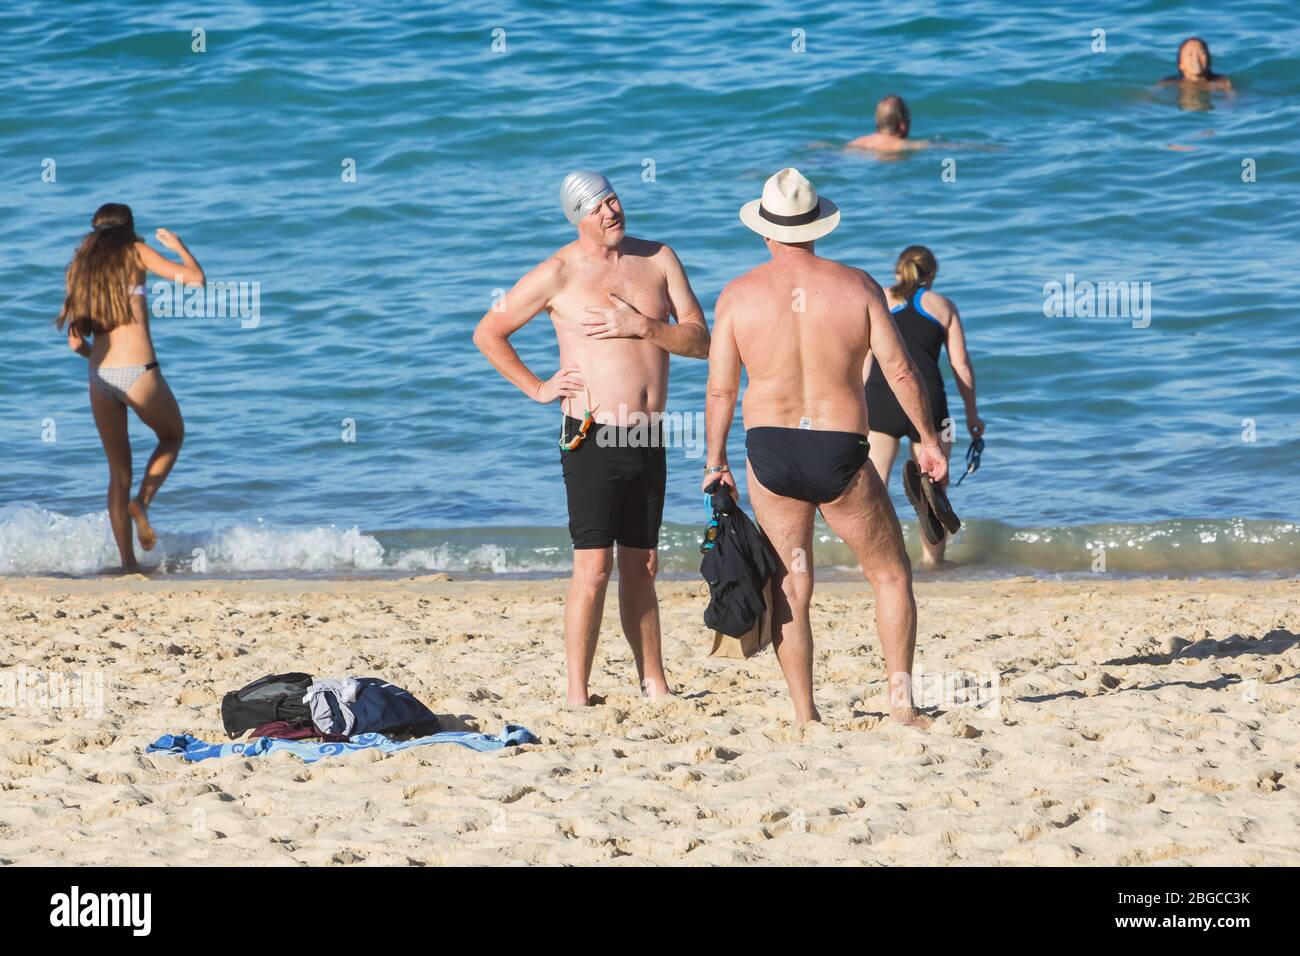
x: 916, y: 268
x: 101, y: 273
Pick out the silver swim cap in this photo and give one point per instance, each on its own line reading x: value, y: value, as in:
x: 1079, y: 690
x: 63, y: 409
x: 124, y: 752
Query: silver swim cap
x: 581, y: 192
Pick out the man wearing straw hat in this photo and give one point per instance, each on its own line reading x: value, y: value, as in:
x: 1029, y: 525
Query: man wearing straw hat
x: 802, y: 326
x: 610, y: 297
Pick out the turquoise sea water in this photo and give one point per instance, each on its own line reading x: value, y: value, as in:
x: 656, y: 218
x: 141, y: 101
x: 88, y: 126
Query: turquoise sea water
x: 1100, y: 430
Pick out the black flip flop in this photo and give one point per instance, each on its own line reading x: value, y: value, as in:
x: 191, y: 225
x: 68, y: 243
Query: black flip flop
x: 931, y: 528
x: 939, y: 504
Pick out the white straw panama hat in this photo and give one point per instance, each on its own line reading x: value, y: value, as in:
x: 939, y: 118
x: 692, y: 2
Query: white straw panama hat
x: 790, y: 210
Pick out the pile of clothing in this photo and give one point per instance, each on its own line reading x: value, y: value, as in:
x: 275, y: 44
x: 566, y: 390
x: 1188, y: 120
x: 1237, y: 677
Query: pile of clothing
x: 299, y: 707
x: 313, y: 718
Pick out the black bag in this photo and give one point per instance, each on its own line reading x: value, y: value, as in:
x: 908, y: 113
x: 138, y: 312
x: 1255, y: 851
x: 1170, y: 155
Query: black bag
x: 385, y: 708
x: 738, y: 562
x: 268, y: 699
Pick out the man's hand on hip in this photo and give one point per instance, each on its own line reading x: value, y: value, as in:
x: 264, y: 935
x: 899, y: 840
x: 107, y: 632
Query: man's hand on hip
x: 566, y: 383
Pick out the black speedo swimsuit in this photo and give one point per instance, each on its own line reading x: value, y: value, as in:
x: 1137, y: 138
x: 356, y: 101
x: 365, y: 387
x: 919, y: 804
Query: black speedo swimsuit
x: 924, y: 338
x: 812, y: 466
x: 615, y: 484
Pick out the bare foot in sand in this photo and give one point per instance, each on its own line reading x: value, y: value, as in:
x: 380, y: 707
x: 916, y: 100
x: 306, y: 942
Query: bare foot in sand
x: 814, y: 718
x: 653, y: 690
x: 142, y: 527
x: 910, y: 717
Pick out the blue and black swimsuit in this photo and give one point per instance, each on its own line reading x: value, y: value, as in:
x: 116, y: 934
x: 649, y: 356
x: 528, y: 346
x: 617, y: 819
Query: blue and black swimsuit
x: 924, y: 337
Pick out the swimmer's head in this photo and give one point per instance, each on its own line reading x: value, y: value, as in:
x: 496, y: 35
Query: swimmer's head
x: 113, y: 215
x: 591, y: 204
x: 101, y: 271
x: 915, y: 269
x: 1194, y: 59
x: 893, y: 116
x: 581, y: 192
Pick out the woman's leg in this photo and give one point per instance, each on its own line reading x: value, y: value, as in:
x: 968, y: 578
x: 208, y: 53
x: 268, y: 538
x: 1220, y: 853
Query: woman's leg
x: 153, y: 401
x: 110, y: 419
x: 932, y: 554
x: 883, y: 451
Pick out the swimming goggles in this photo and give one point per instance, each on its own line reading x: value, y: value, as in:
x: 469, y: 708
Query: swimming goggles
x: 712, y: 530
x: 973, y: 457
x: 588, y: 419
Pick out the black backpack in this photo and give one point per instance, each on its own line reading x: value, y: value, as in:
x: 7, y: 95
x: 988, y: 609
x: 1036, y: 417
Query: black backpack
x: 268, y: 699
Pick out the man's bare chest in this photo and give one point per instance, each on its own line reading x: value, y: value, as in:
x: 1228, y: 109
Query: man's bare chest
x: 642, y: 286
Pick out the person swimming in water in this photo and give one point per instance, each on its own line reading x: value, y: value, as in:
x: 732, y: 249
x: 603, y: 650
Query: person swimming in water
x: 893, y: 124
x: 105, y: 303
x: 926, y: 321
x: 1194, y: 69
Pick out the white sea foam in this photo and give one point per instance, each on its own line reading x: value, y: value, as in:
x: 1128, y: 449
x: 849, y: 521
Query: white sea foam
x: 260, y: 548
x: 483, y: 559
x: 35, y: 540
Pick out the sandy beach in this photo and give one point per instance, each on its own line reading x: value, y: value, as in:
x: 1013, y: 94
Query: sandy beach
x: 1119, y: 722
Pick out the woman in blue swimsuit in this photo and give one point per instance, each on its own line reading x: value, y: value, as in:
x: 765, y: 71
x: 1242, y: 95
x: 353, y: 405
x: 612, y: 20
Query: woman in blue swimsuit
x: 927, y: 321
x: 106, y: 303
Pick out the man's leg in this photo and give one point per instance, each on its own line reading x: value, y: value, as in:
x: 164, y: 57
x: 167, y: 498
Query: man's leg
x: 864, y: 518
x: 788, y: 524
x: 582, y: 614
x: 638, y: 607
x: 640, y: 515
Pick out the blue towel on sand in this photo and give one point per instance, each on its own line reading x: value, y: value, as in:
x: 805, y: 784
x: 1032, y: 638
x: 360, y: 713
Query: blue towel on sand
x: 193, y: 749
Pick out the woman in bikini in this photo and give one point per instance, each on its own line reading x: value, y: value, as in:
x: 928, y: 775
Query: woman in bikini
x: 927, y: 322
x: 107, y: 320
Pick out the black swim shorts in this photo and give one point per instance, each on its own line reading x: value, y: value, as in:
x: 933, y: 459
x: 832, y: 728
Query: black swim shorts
x: 615, y: 483
x: 811, y: 466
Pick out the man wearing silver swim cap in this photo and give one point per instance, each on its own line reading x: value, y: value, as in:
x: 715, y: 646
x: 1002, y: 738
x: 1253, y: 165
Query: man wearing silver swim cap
x: 611, y: 298
x: 581, y: 192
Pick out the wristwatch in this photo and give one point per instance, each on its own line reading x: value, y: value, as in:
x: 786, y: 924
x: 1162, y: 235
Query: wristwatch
x: 715, y: 469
